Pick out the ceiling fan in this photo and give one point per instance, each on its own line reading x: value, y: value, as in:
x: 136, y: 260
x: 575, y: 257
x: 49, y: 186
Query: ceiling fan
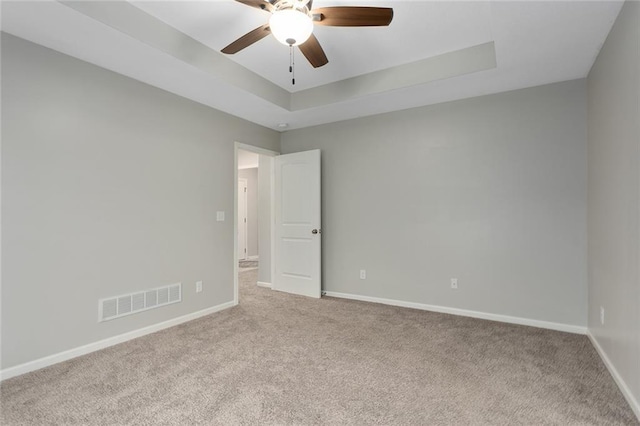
x: 292, y: 21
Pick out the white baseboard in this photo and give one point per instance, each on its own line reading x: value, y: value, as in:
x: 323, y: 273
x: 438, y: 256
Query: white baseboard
x: 576, y: 329
x: 264, y: 284
x: 252, y: 258
x: 37, y: 364
x: 633, y: 402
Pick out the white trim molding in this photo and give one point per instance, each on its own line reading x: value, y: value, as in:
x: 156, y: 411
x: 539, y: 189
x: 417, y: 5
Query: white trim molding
x: 633, y: 402
x: 569, y: 328
x: 252, y: 258
x: 37, y: 364
x: 264, y: 284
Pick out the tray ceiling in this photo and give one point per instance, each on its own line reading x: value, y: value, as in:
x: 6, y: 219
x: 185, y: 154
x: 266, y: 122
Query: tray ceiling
x: 432, y: 52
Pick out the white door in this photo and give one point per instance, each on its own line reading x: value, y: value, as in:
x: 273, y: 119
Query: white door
x: 297, y: 221
x: 242, y: 219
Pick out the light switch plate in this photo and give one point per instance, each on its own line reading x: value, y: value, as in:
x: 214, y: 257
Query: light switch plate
x: 220, y: 216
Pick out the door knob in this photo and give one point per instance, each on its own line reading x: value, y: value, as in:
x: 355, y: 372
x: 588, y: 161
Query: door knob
x: 315, y: 231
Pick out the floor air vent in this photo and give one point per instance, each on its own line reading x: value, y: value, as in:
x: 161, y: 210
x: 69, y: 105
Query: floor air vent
x: 127, y: 304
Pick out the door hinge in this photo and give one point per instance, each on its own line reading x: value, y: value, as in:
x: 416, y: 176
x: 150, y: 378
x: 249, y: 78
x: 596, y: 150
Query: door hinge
x: 245, y: 189
x: 245, y: 220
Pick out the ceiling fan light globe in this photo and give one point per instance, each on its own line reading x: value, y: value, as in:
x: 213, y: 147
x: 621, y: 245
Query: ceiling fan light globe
x: 291, y: 27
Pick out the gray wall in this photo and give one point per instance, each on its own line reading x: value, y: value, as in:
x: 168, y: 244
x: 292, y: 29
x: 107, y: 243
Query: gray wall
x: 265, y: 170
x: 490, y: 190
x: 251, y: 175
x: 108, y: 186
x: 614, y: 196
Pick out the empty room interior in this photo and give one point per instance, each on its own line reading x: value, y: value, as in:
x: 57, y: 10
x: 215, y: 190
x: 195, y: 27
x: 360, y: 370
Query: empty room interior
x: 320, y: 212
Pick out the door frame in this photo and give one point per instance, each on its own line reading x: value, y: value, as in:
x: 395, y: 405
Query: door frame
x: 269, y: 153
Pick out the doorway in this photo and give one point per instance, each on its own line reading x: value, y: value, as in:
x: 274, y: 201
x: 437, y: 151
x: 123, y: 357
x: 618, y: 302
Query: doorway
x: 253, y: 242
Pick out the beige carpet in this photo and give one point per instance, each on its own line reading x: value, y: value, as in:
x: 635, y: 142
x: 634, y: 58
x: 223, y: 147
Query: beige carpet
x: 281, y: 359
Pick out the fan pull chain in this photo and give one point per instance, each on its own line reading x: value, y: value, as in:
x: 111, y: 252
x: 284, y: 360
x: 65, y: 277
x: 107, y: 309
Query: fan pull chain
x: 292, y: 65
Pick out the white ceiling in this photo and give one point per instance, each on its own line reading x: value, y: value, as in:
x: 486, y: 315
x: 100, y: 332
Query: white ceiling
x: 535, y: 43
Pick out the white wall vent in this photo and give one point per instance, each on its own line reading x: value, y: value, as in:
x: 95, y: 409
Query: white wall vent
x: 127, y: 304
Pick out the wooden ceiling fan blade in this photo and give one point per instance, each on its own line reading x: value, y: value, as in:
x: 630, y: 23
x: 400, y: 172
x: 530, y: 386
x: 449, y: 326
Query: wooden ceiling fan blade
x: 247, y: 40
x: 352, y: 16
x: 260, y: 4
x: 314, y: 53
